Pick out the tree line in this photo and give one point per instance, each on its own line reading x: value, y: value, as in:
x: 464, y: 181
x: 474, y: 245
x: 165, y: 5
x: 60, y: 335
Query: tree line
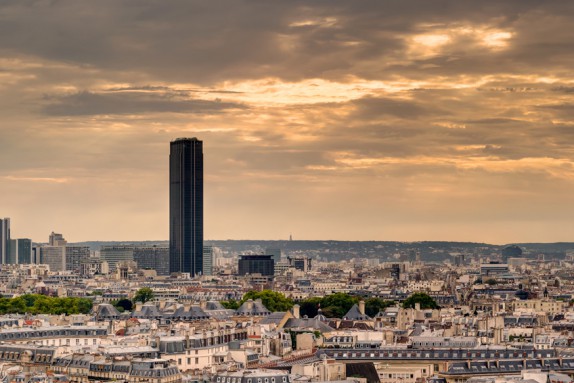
x: 332, y: 306
x: 42, y: 304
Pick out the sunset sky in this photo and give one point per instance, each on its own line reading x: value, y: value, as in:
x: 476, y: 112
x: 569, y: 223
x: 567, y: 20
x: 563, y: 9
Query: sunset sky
x: 352, y: 120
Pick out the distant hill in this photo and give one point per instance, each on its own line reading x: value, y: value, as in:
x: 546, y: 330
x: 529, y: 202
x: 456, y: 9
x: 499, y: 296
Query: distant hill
x: 430, y: 251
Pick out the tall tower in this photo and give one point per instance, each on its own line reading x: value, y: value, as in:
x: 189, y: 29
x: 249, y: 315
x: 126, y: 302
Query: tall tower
x: 4, y: 240
x: 186, y: 206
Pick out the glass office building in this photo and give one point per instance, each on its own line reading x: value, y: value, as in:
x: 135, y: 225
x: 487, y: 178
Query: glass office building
x: 186, y: 206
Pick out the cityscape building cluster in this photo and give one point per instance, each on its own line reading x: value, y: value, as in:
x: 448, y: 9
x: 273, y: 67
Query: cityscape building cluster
x: 282, y: 312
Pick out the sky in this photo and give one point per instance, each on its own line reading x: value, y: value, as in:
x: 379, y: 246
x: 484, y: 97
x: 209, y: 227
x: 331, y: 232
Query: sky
x: 350, y: 120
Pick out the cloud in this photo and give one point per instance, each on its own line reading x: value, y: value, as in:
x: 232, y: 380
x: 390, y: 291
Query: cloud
x: 88, y: 103
x: 330, y: 114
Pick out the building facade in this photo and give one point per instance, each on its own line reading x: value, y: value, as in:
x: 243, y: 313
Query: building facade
x: 4, y: 240
x: 152, y: 257
x: 186, y: 206
x: 256, y: 264
x: 20, y: 251
x: 207, y: 260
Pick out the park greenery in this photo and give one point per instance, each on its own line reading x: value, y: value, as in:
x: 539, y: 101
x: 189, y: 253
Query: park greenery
x: 42, y: 304
x: 425, y: 300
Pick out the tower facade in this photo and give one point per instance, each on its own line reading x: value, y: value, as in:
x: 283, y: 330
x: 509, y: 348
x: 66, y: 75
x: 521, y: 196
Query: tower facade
x: 186, y: 206
x: 4, y: 240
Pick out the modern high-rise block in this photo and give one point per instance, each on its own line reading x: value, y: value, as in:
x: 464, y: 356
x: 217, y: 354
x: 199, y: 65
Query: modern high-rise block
x: 115, y: 254
x: 4, y: 240
x: 256, y: 264
x: 57, y: 239
x: 54, y: 257
x: 186, y: 206
x: 20, y: 251
x: 207, y: 260
x: 152, y: 257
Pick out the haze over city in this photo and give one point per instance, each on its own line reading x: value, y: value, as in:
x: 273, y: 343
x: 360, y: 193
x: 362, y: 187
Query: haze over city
x: 367, y: 120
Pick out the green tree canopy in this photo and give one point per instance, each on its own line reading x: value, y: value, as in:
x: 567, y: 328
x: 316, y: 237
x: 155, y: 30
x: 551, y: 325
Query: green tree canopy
x: 124, y: 304
x: 143, y: 295
x: 273, y: 300
x: 230, y: 304
x: 425, y: 300
x: 374, y: 305
x: 333, y: 306
x: 41, y: 304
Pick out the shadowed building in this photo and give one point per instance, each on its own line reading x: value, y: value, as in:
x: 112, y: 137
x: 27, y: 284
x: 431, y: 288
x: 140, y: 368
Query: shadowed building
x: 256, y: 264
x: 21, y: 251
x: 4, y: 240
x: 186, y: 206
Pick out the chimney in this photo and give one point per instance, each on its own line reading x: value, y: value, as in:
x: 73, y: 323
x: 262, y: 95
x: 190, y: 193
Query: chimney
x: 417, y: 306
x: 249, y: 304
x: 362, y: 307
x: 296, y: 312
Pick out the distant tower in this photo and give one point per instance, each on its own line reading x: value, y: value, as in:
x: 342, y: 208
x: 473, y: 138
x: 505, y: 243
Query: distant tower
x: 186, y: 206
x: 4, y: 240
x: 56, y: 239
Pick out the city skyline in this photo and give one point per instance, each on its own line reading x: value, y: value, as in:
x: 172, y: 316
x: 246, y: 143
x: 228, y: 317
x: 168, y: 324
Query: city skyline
x: 325, y: 120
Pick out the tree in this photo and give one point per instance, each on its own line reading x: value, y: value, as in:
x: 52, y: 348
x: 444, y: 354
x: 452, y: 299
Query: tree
x: 41, y: 304
x: 334, y: 305
x: 338, y: 304
x: 310, y: 306
x: 424, y: 299
x: 374, y: 305
x: 490, y: 282
x: 230, y: 304
x: 143, y: 295
x: 125, y: 305
x: 273, y: 300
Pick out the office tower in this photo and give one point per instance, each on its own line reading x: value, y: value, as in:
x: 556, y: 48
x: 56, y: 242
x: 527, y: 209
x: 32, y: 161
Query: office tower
x: 276, y: 253
x: 20, y: 251
x: 300, y: 263
x: 54, y: 257
x: 4, y: 240
x: 115, y: 254
x: 56, y: 239
x: 186, y: 206
x: 75, y: 255
x: 152, y: 257
x: 256, y: 264
x: 207, y: 260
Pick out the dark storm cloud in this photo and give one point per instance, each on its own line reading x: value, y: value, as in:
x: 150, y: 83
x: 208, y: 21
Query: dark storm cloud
x: 87, y: 103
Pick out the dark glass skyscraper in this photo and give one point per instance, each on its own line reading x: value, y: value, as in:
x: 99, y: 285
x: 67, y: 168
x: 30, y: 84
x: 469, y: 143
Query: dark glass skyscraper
x: 186, y: 206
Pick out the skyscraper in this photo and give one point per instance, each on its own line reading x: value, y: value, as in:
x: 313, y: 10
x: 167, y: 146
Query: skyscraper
x: 4, y: 240
x: 186, y: 206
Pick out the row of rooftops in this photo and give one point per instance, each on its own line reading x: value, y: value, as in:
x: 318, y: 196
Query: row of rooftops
x: 178, y: 311
x: 496, y: 367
